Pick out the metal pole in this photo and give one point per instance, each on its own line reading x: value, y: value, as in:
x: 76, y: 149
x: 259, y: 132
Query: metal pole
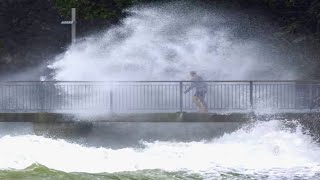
x: 73, y: 23
x: 73, y: 26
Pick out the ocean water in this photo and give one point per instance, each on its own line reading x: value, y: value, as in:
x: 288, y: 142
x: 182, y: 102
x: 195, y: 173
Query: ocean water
x: 262, y: 150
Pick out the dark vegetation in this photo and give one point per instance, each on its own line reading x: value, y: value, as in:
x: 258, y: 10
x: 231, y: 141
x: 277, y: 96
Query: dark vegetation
x: 299, y: 32
x: 30, y: 30
x: 104, y: 9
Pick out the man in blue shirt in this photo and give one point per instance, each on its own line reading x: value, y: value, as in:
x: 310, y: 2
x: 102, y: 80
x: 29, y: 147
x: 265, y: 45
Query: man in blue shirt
x: 201, y: 90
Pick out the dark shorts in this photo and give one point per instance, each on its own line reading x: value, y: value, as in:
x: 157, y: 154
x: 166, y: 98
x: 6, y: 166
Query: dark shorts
x: 200, y: 94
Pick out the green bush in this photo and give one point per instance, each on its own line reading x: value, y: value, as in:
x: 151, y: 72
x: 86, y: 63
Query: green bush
x: 89, y: 9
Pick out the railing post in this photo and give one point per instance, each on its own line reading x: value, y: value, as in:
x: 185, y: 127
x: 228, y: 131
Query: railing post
x: 181, y: 95
x: 41, y: 96
x: 310, y: 96
x: 111, y: 100
x: 251, y: 95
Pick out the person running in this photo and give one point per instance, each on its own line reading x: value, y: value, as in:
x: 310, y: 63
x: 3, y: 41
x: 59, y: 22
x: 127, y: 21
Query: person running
x: 201, y: 90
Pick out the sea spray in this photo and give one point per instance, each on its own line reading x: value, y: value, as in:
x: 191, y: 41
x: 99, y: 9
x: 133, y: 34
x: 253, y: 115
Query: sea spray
x: 165, y: 42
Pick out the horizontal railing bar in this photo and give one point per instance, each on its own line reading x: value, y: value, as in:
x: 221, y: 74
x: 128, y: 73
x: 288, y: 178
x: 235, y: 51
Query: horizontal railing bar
x: 220, y: 81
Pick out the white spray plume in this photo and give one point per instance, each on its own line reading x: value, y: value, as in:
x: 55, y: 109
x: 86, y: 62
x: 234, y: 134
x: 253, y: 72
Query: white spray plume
x: 164, y: 43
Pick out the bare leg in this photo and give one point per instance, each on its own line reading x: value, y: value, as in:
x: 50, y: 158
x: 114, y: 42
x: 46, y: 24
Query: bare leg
x: 197, y: 101
x: 204, y: 106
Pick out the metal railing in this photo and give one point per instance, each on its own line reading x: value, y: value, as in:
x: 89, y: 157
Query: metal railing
x: 156, y: 96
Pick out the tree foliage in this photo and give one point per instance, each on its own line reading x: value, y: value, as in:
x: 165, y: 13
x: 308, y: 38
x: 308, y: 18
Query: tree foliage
x: 90, y: 9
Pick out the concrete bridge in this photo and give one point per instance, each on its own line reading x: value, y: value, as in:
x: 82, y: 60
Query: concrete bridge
x: 85, y: 109
x: 157, y: 101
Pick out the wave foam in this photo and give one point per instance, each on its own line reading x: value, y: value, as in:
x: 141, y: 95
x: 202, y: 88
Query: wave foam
x: 266, y: 147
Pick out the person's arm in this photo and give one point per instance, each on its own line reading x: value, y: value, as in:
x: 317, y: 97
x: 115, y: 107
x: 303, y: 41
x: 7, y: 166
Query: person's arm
x: 191, y: 87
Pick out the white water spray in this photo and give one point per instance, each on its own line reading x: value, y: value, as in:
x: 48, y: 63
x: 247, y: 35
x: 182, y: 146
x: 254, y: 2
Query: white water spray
x: 164, y: 43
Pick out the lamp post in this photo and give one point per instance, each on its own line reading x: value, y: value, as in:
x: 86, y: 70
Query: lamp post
x: 73, y: 25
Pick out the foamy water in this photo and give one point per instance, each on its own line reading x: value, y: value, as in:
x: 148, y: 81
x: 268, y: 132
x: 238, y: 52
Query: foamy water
x: 266, y: 148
